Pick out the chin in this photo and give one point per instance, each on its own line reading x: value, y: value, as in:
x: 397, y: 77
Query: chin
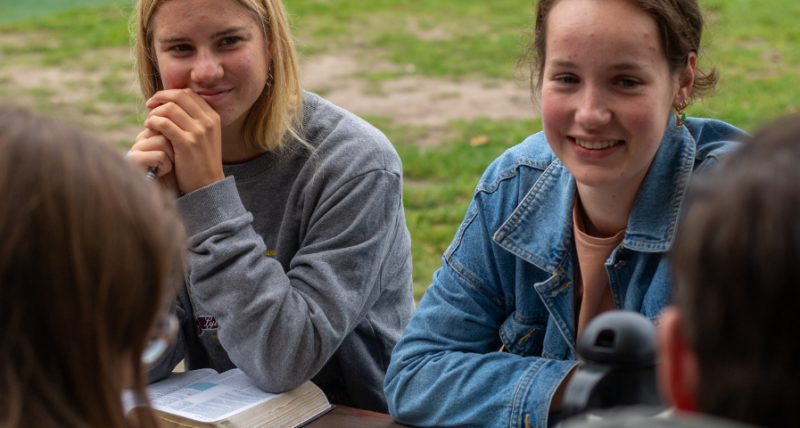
x: 226, y: 120
x: 597, y: 180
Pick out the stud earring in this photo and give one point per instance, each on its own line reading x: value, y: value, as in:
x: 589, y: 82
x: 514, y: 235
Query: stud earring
x: 679, y: 115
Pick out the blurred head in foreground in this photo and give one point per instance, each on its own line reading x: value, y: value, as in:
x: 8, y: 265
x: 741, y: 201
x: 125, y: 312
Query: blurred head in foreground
x: 729, y: 345
x: 88, y: 253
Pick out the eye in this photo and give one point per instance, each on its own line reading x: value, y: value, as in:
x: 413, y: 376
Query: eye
x: 566, y: 79
x: 628, y: 83
x: 183, y: 47
x: 232, y: 40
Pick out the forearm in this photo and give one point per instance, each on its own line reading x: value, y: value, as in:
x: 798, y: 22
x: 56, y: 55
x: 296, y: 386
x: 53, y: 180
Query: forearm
x: 278, y: 326
x: 446, y: 371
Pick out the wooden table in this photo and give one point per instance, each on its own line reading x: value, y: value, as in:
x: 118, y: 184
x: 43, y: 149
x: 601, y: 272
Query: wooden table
x: 348, y: 417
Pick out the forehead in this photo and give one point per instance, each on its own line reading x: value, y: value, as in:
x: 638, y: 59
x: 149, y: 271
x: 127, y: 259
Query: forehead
x: 194, y: 17
x: 605, y: 28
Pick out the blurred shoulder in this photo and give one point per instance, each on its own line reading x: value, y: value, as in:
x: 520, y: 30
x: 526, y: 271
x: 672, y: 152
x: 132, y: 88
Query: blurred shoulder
x: 714, y: 138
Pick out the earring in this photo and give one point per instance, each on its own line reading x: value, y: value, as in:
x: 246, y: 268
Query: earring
x: 679, y: 115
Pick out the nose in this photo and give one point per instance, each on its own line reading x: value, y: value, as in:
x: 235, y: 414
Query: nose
x: 593, y: 110
x: 207, y: 68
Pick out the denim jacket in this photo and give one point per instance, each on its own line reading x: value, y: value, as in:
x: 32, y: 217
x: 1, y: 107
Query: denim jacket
x: 506, y: 281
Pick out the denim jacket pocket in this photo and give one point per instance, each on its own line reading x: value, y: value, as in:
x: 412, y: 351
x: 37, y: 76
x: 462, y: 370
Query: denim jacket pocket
x: 523, y: 338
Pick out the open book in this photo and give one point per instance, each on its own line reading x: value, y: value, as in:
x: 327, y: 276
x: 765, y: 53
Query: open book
x: 205, y: 398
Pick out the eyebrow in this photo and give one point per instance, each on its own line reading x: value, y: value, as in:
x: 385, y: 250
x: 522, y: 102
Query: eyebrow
x: 224, y: 32
x: 623, y: 66
x: 627, y: 66
x: 563, y: 63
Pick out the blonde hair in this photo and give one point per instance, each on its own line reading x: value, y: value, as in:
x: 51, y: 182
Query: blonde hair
x: 278, y: 110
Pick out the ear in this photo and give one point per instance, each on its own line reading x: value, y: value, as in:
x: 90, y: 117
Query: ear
x: 686, y: 80
x: 677, y: 369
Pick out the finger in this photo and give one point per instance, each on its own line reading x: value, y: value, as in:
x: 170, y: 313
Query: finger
x: 146, y: 133
x: 169, y: 181
x: 156, y: 143
x: 169, y: 129
x: 177, y: 115
x: 146, y: 160
x: 188, y: 100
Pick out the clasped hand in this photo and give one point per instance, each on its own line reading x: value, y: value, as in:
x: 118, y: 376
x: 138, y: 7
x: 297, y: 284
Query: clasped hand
x: 183, y: 138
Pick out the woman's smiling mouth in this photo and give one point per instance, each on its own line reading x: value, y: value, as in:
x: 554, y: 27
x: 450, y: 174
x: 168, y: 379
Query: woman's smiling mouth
x: 595, y: 145
x: 212, y: 96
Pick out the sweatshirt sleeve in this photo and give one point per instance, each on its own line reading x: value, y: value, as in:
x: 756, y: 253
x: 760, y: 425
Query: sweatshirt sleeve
x: 281, y: 327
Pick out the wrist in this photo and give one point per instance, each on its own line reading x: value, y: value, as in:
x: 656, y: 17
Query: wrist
x: 202, y: 182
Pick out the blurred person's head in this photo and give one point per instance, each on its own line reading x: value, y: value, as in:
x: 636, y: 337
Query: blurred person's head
x: 197, y: 48
x: 729, y: 344
x: 89, y: 251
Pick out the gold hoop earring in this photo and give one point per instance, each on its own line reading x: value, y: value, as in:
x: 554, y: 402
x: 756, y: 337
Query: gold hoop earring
x: 679, y: 115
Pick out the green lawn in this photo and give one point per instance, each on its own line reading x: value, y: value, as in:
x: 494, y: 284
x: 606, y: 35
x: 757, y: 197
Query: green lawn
x: 754, y: 43
x: 15, y: 10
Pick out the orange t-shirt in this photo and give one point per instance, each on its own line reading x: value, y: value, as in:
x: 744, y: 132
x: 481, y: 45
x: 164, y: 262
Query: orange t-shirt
x: 593, y: 293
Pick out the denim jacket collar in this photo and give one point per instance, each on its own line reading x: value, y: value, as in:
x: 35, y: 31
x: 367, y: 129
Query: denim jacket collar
x: 540, y: 228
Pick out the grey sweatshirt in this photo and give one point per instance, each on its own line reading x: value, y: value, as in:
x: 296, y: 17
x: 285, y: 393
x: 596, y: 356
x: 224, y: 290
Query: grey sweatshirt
x: 299, y: 265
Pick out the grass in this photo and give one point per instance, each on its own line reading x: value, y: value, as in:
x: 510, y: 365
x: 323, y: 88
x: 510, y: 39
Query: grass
x: 15, y: 10
x: 439, y: 183
x: 452, y: 38
x: 69, y: 34
x: 755, y: 44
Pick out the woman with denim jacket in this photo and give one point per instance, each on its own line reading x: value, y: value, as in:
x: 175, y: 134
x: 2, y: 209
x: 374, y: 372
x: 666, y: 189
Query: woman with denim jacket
x: 574, y: 221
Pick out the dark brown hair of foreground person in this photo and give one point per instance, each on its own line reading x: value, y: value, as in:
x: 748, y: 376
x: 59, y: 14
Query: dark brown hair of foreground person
x: 737, y: 267
x: 86, y: 249
x: 680, y: 23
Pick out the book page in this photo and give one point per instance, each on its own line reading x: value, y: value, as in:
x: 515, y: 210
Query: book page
x: 158, y: 389
x: 177, y: 381
x: 214, y: 398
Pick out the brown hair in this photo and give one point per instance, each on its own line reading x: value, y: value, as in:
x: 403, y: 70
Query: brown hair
x: 738, y: 283
x: 278, y: 110
x: 87, y: 247
x: 680, y: 24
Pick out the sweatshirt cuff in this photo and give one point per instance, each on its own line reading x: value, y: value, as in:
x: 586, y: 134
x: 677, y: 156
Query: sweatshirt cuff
x: 210, y: 205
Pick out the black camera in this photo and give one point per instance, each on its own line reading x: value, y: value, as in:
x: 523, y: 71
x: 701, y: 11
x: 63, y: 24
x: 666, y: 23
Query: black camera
x: 617, y: 356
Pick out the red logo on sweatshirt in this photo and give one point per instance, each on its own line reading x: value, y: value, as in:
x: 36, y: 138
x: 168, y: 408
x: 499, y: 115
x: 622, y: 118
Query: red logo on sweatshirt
x: 206, y: 322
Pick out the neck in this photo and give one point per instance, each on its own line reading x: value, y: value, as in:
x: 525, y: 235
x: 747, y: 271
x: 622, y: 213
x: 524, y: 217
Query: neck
x: 606, y: 210
x: 234, y: 149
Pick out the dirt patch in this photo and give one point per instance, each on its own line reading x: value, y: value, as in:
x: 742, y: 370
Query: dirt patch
x: 413, y: 99
x: 428, y: 34
x: 27, y: 38
x: 81, y: 91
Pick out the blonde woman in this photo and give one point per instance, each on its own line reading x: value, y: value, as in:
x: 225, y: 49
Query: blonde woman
x: 299, y: 261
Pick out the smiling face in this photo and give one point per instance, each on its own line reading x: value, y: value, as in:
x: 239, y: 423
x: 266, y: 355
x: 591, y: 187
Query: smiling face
x: 607, y: 91
x: 215, y: 48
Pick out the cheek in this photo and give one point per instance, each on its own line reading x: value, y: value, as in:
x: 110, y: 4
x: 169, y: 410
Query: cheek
x: 646, y: 123
x: 250, y: 68
x: 554, y: 111
x: 174, y: 75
